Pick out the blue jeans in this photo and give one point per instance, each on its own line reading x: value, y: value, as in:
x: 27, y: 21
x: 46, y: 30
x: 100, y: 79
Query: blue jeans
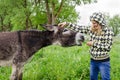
x: 102, y: 67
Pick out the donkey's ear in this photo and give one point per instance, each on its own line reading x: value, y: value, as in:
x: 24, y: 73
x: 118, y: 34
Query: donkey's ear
x: 48, y: 27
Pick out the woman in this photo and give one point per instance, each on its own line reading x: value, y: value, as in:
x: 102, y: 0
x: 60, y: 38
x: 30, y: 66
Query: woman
x: 100, y: 44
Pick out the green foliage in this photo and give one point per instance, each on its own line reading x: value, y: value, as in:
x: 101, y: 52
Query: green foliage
x: 38, y: 17
x: 68, y: 14
x: 115, y: 24
x: 26, y: 14
x: 18, y: 21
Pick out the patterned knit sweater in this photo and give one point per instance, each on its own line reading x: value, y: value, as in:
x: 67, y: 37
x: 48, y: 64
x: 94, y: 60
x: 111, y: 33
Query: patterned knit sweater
x: 102, y: 43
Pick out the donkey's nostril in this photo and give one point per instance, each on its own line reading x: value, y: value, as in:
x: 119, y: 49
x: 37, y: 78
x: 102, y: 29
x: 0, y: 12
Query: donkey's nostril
x: 82, y: 38
x: 65, y: 30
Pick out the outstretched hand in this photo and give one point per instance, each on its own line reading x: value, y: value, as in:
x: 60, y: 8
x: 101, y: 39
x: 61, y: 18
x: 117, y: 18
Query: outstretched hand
x: 63, y: 24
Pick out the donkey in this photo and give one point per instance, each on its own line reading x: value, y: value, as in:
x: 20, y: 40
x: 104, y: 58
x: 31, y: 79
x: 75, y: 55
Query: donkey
x: 17, y: 47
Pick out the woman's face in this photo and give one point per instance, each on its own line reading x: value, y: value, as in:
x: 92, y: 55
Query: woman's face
x: 95, y: 25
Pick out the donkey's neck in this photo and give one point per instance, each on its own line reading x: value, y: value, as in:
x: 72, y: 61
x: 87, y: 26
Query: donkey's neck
x: 32, y: 41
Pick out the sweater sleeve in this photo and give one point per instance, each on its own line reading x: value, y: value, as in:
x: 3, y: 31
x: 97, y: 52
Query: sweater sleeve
x: 78, y: 28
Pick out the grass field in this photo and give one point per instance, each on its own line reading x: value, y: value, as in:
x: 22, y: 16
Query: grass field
x: 69, y: 63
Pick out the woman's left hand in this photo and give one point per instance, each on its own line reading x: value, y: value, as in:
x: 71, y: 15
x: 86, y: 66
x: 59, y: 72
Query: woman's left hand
x: 90, y: 43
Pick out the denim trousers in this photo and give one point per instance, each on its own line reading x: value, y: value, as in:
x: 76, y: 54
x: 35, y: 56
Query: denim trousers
x: 102, y: 67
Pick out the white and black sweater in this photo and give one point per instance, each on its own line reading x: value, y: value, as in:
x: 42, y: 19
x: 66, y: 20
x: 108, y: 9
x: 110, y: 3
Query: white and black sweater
x: 102, y: 43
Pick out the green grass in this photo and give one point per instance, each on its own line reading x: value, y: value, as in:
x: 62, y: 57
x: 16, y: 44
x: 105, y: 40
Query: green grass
x: 58, y: 63
x: 115, y: 60
x: 5, y: 73
x: 69, y: 63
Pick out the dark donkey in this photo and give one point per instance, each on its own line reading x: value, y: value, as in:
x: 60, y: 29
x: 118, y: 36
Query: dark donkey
x: 17, y: 47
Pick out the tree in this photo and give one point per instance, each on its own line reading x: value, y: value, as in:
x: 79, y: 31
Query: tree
x: 4, y: 17
x: 64, y: 9
x: 115, y: 24
x: 25, y: 14
x: 13, y: 14
x: 55, y: 11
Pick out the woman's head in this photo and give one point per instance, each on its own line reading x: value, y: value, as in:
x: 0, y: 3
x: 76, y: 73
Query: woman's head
x: 98, y: 17
x: 98, y: 22
x: 95, y: 25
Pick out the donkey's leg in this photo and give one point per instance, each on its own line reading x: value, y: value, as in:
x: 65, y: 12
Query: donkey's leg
x: 20, y: 73
x: 16, y: 72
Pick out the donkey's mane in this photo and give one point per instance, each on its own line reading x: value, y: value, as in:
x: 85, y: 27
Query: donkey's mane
x: 35, y: 32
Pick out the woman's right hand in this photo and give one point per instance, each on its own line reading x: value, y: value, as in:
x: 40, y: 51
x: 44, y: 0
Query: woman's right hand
x: 63, y: 24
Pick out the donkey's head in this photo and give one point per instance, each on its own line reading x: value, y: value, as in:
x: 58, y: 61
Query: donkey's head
x: 65, y: 37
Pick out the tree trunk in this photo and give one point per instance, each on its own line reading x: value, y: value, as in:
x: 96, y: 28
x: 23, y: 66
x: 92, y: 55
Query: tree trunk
x: 51, y: 15
x: 27, y: 16
x: 48, y: 12
x: 2, y: 25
